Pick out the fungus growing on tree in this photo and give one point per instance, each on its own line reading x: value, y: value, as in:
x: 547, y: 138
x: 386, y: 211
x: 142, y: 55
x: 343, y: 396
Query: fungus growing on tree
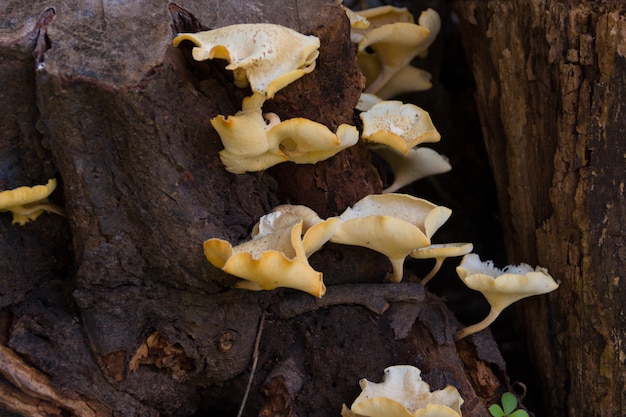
x: 392, y: 224
x: 276, y: 256
x: 501, y: 287
x: 418, y: 163
x: 403, y: 393
x: 265, y: 56
x: 27, y: 203
x: 398, y: 125
x: 395, y: 44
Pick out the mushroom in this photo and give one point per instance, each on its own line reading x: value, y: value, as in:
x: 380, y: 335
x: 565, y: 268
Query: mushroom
x: 398, y: 125
x: 418, y: 163
x: 276, y: 256
x: 265, y: 56
x: 27, y: 203
x: 403, y: 393
x: 406, y: 80
x: 376, y: 17
x: 396, y: 44
x: 501, y: 288
x: 254, y: 141
x: 307, y: 142
x: 440, y: 252
x: 392, y: 224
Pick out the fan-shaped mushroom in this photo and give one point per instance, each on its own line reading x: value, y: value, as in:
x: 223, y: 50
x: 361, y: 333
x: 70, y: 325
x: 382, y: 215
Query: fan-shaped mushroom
x: 392, y: 224
x: 501, y: 287
x: 265, y: 56
x: 403, y: 393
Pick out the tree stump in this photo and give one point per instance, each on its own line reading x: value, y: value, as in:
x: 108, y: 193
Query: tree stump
x: 115, y: 311
x: 551, y: 83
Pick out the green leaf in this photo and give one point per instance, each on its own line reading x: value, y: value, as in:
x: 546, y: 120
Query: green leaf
x: 509, y: 403
x: 496, y: 411
x: 519, y: 413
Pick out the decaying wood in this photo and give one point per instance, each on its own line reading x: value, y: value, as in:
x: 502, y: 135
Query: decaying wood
x: 116, y: 305
x: 551, y: 86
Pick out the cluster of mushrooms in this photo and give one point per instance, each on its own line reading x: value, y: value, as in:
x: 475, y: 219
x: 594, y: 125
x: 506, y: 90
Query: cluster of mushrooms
x: 267, y: 57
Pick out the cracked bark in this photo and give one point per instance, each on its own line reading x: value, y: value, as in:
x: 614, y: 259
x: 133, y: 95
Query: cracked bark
x: 551, y: 79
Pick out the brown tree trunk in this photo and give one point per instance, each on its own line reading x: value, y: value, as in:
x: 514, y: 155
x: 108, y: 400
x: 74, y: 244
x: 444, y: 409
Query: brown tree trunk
x: 115, y: 310
x: 551, y: 87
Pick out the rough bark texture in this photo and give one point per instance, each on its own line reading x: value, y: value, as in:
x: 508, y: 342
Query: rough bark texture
x: 551, y: 87
x: 115, y: 310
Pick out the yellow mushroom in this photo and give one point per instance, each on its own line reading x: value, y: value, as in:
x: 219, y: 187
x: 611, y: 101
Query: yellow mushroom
x: 440, y: 252
x: 418, y: 163
x: 396, y: 44
x: 406, y: 80
x: 501, y: 287
x: 403, y: 393
x: 398, y: 125
x: 392, y: 224
x: 265, y: 56
x: 27, y: 203
x: 276, y: 256
x: 373, y: 17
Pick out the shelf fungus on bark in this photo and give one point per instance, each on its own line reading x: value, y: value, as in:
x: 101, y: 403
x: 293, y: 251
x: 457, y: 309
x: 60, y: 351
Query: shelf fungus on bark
x: 392, y: 224
x: 403, y: 393
x: 277, y: 254
x: 395, y: 44
x: 254, y: 141
x: 398, y: 125
x: 27, y: 203
x: 501, y: 287
x: 265, y: 56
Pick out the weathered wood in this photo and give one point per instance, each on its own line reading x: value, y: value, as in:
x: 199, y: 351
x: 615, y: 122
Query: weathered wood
x: 551, y: 83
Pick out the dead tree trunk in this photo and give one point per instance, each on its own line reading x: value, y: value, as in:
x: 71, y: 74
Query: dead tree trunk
x: 551, y: 87
x: 115, y: 311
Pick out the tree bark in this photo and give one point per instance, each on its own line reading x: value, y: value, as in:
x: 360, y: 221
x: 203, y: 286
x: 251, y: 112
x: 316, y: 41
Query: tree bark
x: 550, y: 87
x: 115, y: 310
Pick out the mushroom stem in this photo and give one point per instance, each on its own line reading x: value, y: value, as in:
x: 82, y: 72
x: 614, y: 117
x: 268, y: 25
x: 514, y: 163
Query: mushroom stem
x: 380, y: 81
x: 475, y: 328
x: 433, y: 272
x: 49, y: 207
x: 398, y: 270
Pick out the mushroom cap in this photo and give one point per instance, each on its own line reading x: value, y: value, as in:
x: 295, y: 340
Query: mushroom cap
x: 265, y: 56
x: 376, y: 17
x: 275, y: 257
x: 442, y: 250
x: 392, y: 224
x: 403, y: 393
x: 306, y: 142
x: 398, y: 125
x: 18, y: 198
x: 238, y: 164
x: 244, y: 133
x: 503, y: 287
x: 418, y: 163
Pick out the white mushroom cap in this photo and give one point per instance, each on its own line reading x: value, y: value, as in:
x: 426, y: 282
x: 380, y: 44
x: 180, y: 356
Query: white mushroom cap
x: 403, y: 393
x: 503, y: 287
x: 398, y: 125
x: 265, y: 56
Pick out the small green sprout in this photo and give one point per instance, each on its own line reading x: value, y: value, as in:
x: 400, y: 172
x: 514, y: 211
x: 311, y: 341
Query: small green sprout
x: 509, y: 404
